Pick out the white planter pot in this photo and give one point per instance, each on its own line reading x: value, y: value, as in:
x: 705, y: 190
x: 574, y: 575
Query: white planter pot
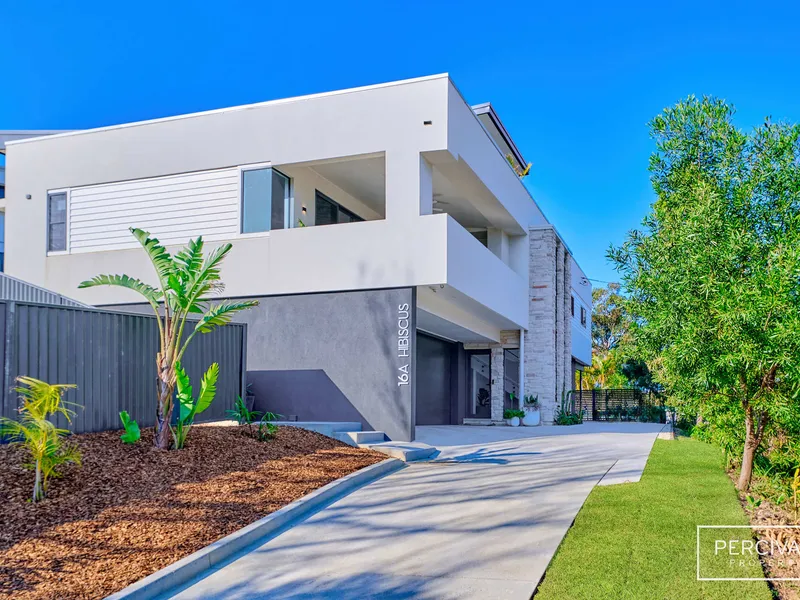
x: 531, y: 417
x: 514, y: 421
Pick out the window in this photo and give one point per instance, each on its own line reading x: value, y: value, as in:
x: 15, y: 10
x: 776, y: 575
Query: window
x: 583, y: 316
x: 57, y: 222
x: 265, y: 200
x: 572, y: 305
x: 329, y: 212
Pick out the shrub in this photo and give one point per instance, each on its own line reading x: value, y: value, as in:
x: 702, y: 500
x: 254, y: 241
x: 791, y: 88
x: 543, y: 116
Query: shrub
x: 565, y: 415
x: 510, y: 413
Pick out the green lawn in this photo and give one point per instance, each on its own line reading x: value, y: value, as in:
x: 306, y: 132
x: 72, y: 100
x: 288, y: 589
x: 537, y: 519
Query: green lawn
x: 638, y: 540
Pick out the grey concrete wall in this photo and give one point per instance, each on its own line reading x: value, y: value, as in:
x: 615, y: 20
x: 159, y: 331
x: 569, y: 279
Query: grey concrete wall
x: 334, y: 357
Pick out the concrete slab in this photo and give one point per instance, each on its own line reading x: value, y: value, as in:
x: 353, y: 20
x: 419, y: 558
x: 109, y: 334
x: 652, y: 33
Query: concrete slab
x: 405, y: 451
x: 481, y: 520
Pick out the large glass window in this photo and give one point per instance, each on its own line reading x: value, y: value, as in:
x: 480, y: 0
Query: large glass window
x: 265, y: 200
x: 57, y: 222
x: 328, y: 212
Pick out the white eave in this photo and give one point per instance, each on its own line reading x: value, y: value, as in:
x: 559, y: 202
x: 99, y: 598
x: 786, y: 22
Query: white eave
x: 491, y: 121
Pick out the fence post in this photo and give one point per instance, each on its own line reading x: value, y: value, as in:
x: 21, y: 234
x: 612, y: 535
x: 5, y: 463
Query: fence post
x: 594, y: 406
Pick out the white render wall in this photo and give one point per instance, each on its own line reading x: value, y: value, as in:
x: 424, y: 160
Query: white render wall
x: 416, y: 125
x: 581, y: 334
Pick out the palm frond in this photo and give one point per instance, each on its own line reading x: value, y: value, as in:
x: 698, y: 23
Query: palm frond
x: 41, y: 399
x: 184, y: 392
x: 221, y: 314
x: 208, y: 388
x: 161, y: 259
x: 208, y: 277
x: 151, y: 294
x: 190, y: 259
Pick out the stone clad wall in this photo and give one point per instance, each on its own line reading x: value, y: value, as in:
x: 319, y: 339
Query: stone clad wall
x: 548, y: 342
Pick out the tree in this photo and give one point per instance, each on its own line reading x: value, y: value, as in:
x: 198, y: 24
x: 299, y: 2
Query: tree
x: 185, y: 281
x: 612, y: 367
x: 713, y: 276
x: 610, y: 321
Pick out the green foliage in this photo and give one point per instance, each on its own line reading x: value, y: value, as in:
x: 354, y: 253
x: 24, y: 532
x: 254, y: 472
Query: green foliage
x: 243, y: 415
x: 566, y: 414
x: 132, y: 433
x: 266, y: 428
x: 189, y: 406
x: 185, y: 283
x: 712, y: 276
x: 753, y: 502
x: 37, y: 435
x: 532, y: 401
x: 510, y: 413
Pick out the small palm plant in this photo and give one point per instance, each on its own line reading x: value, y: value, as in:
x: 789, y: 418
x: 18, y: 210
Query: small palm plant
x: 39, y: 437
x: 185, y: 281
x: 244, y: 415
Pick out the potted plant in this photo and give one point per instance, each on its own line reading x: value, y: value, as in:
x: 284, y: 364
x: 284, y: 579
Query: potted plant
x: 513, y: 416
x: 532, y: 416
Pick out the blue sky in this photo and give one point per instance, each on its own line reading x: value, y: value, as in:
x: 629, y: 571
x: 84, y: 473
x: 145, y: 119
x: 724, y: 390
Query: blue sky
x: 575, y: 83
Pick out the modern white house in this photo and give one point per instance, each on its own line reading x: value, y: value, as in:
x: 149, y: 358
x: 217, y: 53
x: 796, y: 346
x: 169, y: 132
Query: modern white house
x: 405, y: 274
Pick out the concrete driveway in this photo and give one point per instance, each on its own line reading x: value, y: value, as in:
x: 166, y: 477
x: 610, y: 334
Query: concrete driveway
x: 480, y: 521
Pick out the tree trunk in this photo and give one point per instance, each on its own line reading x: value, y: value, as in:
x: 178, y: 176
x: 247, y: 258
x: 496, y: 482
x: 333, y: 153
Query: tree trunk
x: 752, y: 440
x: 38, y: 492
x: 165, y: 389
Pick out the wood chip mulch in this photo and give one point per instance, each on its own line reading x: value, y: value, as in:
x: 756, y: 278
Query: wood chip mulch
x: 131, y: 510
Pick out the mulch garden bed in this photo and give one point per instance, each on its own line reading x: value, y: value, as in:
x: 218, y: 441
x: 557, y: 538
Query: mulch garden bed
x: 776, y: 565
x: 131, y: 510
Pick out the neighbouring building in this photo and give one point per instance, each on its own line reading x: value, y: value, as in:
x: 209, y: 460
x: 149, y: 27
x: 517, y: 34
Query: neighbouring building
x: 405, y: 274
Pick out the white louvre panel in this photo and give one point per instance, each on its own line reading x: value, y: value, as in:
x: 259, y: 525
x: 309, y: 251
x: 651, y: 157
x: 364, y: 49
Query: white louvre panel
x: 173, y: 209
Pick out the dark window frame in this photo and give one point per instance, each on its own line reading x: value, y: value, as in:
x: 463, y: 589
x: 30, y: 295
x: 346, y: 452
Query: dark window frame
x: 583, y: 316
x: 339, y: 209
x: 51, y: 223
x: 572, y: 305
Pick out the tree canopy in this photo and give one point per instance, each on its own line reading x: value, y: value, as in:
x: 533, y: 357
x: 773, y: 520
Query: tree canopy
x: 713, y: 275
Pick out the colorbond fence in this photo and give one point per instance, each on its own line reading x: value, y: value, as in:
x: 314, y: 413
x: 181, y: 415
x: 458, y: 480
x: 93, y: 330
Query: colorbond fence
x: 110, y: 356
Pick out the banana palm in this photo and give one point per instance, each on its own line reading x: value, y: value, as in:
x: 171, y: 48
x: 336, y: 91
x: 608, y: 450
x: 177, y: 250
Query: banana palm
x: 185, y: 280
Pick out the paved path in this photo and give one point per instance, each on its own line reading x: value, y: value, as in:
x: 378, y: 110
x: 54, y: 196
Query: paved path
x: 481, y: 521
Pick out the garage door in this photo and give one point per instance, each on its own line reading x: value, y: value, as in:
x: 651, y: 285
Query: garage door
x: 433, y: 380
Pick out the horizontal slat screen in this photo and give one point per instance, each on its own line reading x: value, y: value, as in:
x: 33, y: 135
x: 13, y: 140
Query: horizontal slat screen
x: 173, y: 209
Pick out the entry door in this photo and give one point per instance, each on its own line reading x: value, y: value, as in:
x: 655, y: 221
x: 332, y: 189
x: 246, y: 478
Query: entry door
x: 479, y: 379
x: 434, y: 358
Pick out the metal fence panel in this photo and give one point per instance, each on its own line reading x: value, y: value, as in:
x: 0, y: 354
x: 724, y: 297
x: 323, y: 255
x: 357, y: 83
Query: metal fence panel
x: 619, y: 404
x: 15, y: 289
x: 110, y: 356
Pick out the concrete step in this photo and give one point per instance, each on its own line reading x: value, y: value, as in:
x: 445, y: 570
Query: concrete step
x: 329, y: 428
x: 358, y: 438
x: 405, y: 451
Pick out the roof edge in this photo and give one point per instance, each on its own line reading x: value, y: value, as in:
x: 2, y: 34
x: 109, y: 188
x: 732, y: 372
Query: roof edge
x: 487, y: 109
x: 239, y: 107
